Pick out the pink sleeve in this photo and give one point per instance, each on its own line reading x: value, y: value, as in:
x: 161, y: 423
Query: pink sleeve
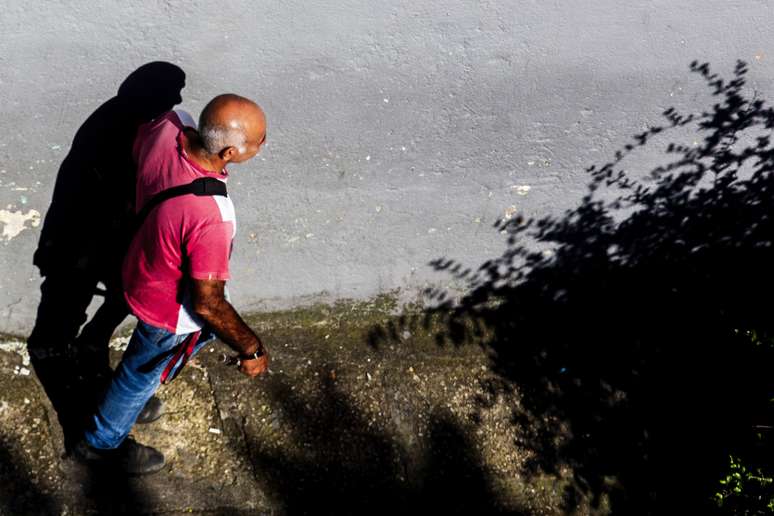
x: 208, y: 250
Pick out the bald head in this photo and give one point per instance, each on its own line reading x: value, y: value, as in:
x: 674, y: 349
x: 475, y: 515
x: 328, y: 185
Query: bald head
x: 233, y: 127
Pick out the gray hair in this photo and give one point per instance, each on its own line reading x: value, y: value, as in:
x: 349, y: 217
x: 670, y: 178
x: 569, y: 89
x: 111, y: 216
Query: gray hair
x: 215, y: 138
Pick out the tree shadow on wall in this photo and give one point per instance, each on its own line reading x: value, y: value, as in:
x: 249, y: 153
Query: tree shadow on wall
x: 638, y: 340
x: 340, y: 463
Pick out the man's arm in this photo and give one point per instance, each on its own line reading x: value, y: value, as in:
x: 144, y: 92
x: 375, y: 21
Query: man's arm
x: 209, y: 303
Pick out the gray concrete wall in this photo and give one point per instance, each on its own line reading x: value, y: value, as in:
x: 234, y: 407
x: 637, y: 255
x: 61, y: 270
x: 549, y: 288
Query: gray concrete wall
x: 398, y: 131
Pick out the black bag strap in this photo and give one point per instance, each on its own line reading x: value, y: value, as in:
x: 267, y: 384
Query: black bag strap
x: 201, y: 187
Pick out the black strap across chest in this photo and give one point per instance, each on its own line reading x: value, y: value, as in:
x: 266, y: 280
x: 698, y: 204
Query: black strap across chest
x: 202, y: 186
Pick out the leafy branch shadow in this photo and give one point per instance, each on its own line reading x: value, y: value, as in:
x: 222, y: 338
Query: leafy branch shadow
x: 338, y: 462
x: 625, y: 324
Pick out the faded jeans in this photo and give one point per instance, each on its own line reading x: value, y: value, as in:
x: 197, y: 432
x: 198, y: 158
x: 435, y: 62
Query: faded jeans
x: 136, y: 379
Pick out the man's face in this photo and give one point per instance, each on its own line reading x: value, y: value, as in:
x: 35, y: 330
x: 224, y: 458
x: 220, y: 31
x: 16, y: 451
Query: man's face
x: 252, y: 147
x: 253, y: 144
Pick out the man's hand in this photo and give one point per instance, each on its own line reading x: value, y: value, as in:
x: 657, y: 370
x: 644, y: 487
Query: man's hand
x: 254, y: 367
x: 210, y: 304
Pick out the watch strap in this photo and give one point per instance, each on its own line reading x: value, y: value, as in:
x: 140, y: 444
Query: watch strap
x: 252, y: 356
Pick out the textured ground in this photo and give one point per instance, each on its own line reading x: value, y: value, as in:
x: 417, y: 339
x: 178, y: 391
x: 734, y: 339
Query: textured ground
x: 337, y: 427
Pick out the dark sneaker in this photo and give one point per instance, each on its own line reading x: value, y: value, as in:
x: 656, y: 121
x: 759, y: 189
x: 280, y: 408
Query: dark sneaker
x: 152, y: 410
x: 131, y: 457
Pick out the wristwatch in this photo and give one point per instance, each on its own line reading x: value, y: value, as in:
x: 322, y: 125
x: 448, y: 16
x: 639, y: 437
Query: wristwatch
x: 252, y: 356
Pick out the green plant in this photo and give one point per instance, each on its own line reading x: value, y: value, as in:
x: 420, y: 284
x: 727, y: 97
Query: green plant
x: 747, y: 486
x: 745, y: 491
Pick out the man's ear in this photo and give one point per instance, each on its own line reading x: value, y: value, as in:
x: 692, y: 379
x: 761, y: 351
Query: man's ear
x: 228, y: 153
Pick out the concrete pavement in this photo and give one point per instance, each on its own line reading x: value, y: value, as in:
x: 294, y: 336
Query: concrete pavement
x: 339, y: 426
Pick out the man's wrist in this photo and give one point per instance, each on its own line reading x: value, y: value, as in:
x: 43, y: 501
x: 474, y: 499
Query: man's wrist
x: 253, y: 352
x: 252, y: 356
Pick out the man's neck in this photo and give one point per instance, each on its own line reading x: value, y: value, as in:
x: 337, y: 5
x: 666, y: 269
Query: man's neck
x: 196, y: 152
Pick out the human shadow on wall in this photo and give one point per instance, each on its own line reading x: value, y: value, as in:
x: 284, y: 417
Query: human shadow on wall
x: 637, y: 339
x: 82, y: 243
x: 334, y: 460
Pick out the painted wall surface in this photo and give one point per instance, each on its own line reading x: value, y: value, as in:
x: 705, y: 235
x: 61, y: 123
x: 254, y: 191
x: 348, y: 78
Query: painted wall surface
x: 398, y: 131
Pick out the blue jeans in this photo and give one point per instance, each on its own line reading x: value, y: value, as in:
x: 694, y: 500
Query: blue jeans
x: 136, y: 379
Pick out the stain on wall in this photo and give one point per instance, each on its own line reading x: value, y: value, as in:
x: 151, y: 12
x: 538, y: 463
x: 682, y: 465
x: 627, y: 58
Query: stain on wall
x: 14, y: 222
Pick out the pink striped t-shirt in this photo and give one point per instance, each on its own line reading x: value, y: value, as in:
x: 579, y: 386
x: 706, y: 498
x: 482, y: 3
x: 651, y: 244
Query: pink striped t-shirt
x: 184, y: 237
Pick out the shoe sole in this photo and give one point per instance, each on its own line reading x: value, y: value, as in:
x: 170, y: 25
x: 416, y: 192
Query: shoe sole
x: 147, y: 472
x: 109, y: 467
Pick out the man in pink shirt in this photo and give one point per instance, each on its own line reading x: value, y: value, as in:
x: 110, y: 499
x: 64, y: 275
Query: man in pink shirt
x: 176, y: 268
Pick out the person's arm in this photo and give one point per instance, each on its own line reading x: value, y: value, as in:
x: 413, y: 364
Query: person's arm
x: 209, y: 303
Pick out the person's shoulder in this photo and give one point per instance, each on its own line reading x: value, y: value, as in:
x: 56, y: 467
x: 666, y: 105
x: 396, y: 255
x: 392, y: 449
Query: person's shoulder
x: 158, y: 124
x: 159, y: 131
